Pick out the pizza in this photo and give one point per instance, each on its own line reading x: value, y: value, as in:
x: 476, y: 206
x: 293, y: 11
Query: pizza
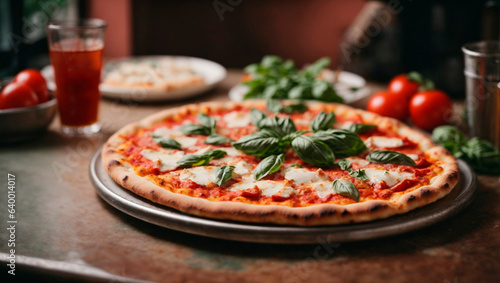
x: 279, y: 162
x: 164, y: 74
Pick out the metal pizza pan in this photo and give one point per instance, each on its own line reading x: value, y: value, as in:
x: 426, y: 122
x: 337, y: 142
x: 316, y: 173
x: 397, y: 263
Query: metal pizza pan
x: 138, y: 207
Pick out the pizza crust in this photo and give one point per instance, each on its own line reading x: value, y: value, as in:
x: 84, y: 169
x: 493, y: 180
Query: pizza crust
x: 321, y: 214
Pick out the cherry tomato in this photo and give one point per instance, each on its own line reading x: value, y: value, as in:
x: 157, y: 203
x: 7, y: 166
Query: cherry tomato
x: 430, y: 108
x: 388, y: 104
x: 403, y: 86
x: 17, y: 95
x: 36, y: 81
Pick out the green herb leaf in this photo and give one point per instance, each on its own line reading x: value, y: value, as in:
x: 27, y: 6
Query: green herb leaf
x: 359, y: 174
x: 450, y: 138
x: 207, y: 121
x: 198, y: 160
x: 313, y: 151
x: 194, y: 160
x: 344, y: 164
x: 223, y: 174
x: 343, y: 143
x: 268, y: 166
x: 297, y: 107
x: 425, y: 83
x: 389, y: 157
x: 261, y: 144
x: 346, y: 188
x: 296, y: 165
x: 323, y: 90
x: 361, y: 128
x: 217, y: 139
x: 323, y: 121
x: 315, y: 68
x: 166, y: 142
x: 192, y: 129
x: 280, y: 126
x: 273, y: 105
x: 482, y: 156
x: 257, y: 116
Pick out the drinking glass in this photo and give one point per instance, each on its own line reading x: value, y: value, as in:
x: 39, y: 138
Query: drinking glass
x: 76, y: 49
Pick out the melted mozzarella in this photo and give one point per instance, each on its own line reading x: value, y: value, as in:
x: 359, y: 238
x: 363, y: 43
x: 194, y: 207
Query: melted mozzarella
x: 231, y: 151
x: 242, y: 168
x: 302, y: 176
x: 267, y: 188
x: 164, y: 159
x: 323, y: 188
x: 237, y: 119
x: 166, y: 132
x: 413, y: 156
x: 186, y: 142
x: 389, y: 177
x: 201, y: 175
x: 360, y: 161
x: 384, y: 142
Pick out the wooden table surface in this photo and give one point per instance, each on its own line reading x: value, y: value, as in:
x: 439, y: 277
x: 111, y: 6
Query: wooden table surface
x: 65, y: 232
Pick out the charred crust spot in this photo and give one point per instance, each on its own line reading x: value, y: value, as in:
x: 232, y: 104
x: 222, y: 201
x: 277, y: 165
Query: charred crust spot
x: 307, y: 216
x: 109, y: 151
x: 113, y: 163
x: 412, y: 197
x: 453, y: 175
x: 425, y: 192
x: 161, y: 182
x: 345, y: 212
x: 125, y: 178
x: 153, y: 194
x: 295, y: 216
x: 375, y: 207
x: 446, y: 185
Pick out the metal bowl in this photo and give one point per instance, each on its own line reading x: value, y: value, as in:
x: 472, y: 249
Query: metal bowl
x: 21, y: 124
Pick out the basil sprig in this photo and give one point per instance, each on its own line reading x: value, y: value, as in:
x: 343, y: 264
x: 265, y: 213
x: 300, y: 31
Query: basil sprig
x: 342, y: 142
x: 358, y: 174
x: 217, y: 139
x: 275, y: 106
x: 276, y: 78
x: 346, y: 188
x: 261, y: 144
x: 323, y: 121
x: 257, y: 116
x: 390, y: 157
x: 167, y: 142
x: 223, y: 174
x: 206, y: 127
x: 203, y: 159
x: 280, y: 126
x: 361, y: 128
x: 268, y: 166
x: 313, y: 151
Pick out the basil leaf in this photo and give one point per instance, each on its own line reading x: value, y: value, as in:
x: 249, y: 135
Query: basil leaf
x: 261, y: 144
x: 322, y: 90
x: 273, y: 91
x: 450, y: 138
x: 215, y: 153
x: 257, y: 116
x: 361, y: 128
x: 192, y: 129
x: 268, y: 166
x: 223, y: 174
x: 323, y: 121
x: 198, y: 160
x: 359, y: 174
x: 346, y: 188
x: 343, y: 143
x: 344, y: 164
x: 217, y: 139
x: 300, y: 92
x: 273, y: 105
x: 313, y: 151
x: 297, y: 107
x: 167, y: 142
x: 389, y: 157
x: 207, y: 121
x: 194, y: 160
x: 280, y: 126
x: 482, y: 156
x: 296, y: 165
x: 315, y: 68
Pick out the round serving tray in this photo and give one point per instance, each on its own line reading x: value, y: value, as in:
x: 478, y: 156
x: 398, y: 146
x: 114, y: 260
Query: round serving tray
x: 120, y: 198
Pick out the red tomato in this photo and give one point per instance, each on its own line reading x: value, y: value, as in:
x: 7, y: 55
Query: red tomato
x: 17, y: 95
x: 36, y: 81
x: 388, y: 104
x: 401, y: 85
x: 430, y: 108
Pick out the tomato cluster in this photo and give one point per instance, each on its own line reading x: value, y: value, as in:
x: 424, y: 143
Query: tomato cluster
x: 28, y: 88
x: 414, y: 96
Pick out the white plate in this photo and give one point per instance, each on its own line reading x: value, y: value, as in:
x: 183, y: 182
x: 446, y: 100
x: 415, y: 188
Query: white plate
x: 344, y: 87
x: 212, y: 72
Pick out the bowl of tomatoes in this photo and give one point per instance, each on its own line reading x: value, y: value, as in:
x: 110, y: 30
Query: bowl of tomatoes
x: 27, y: 107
